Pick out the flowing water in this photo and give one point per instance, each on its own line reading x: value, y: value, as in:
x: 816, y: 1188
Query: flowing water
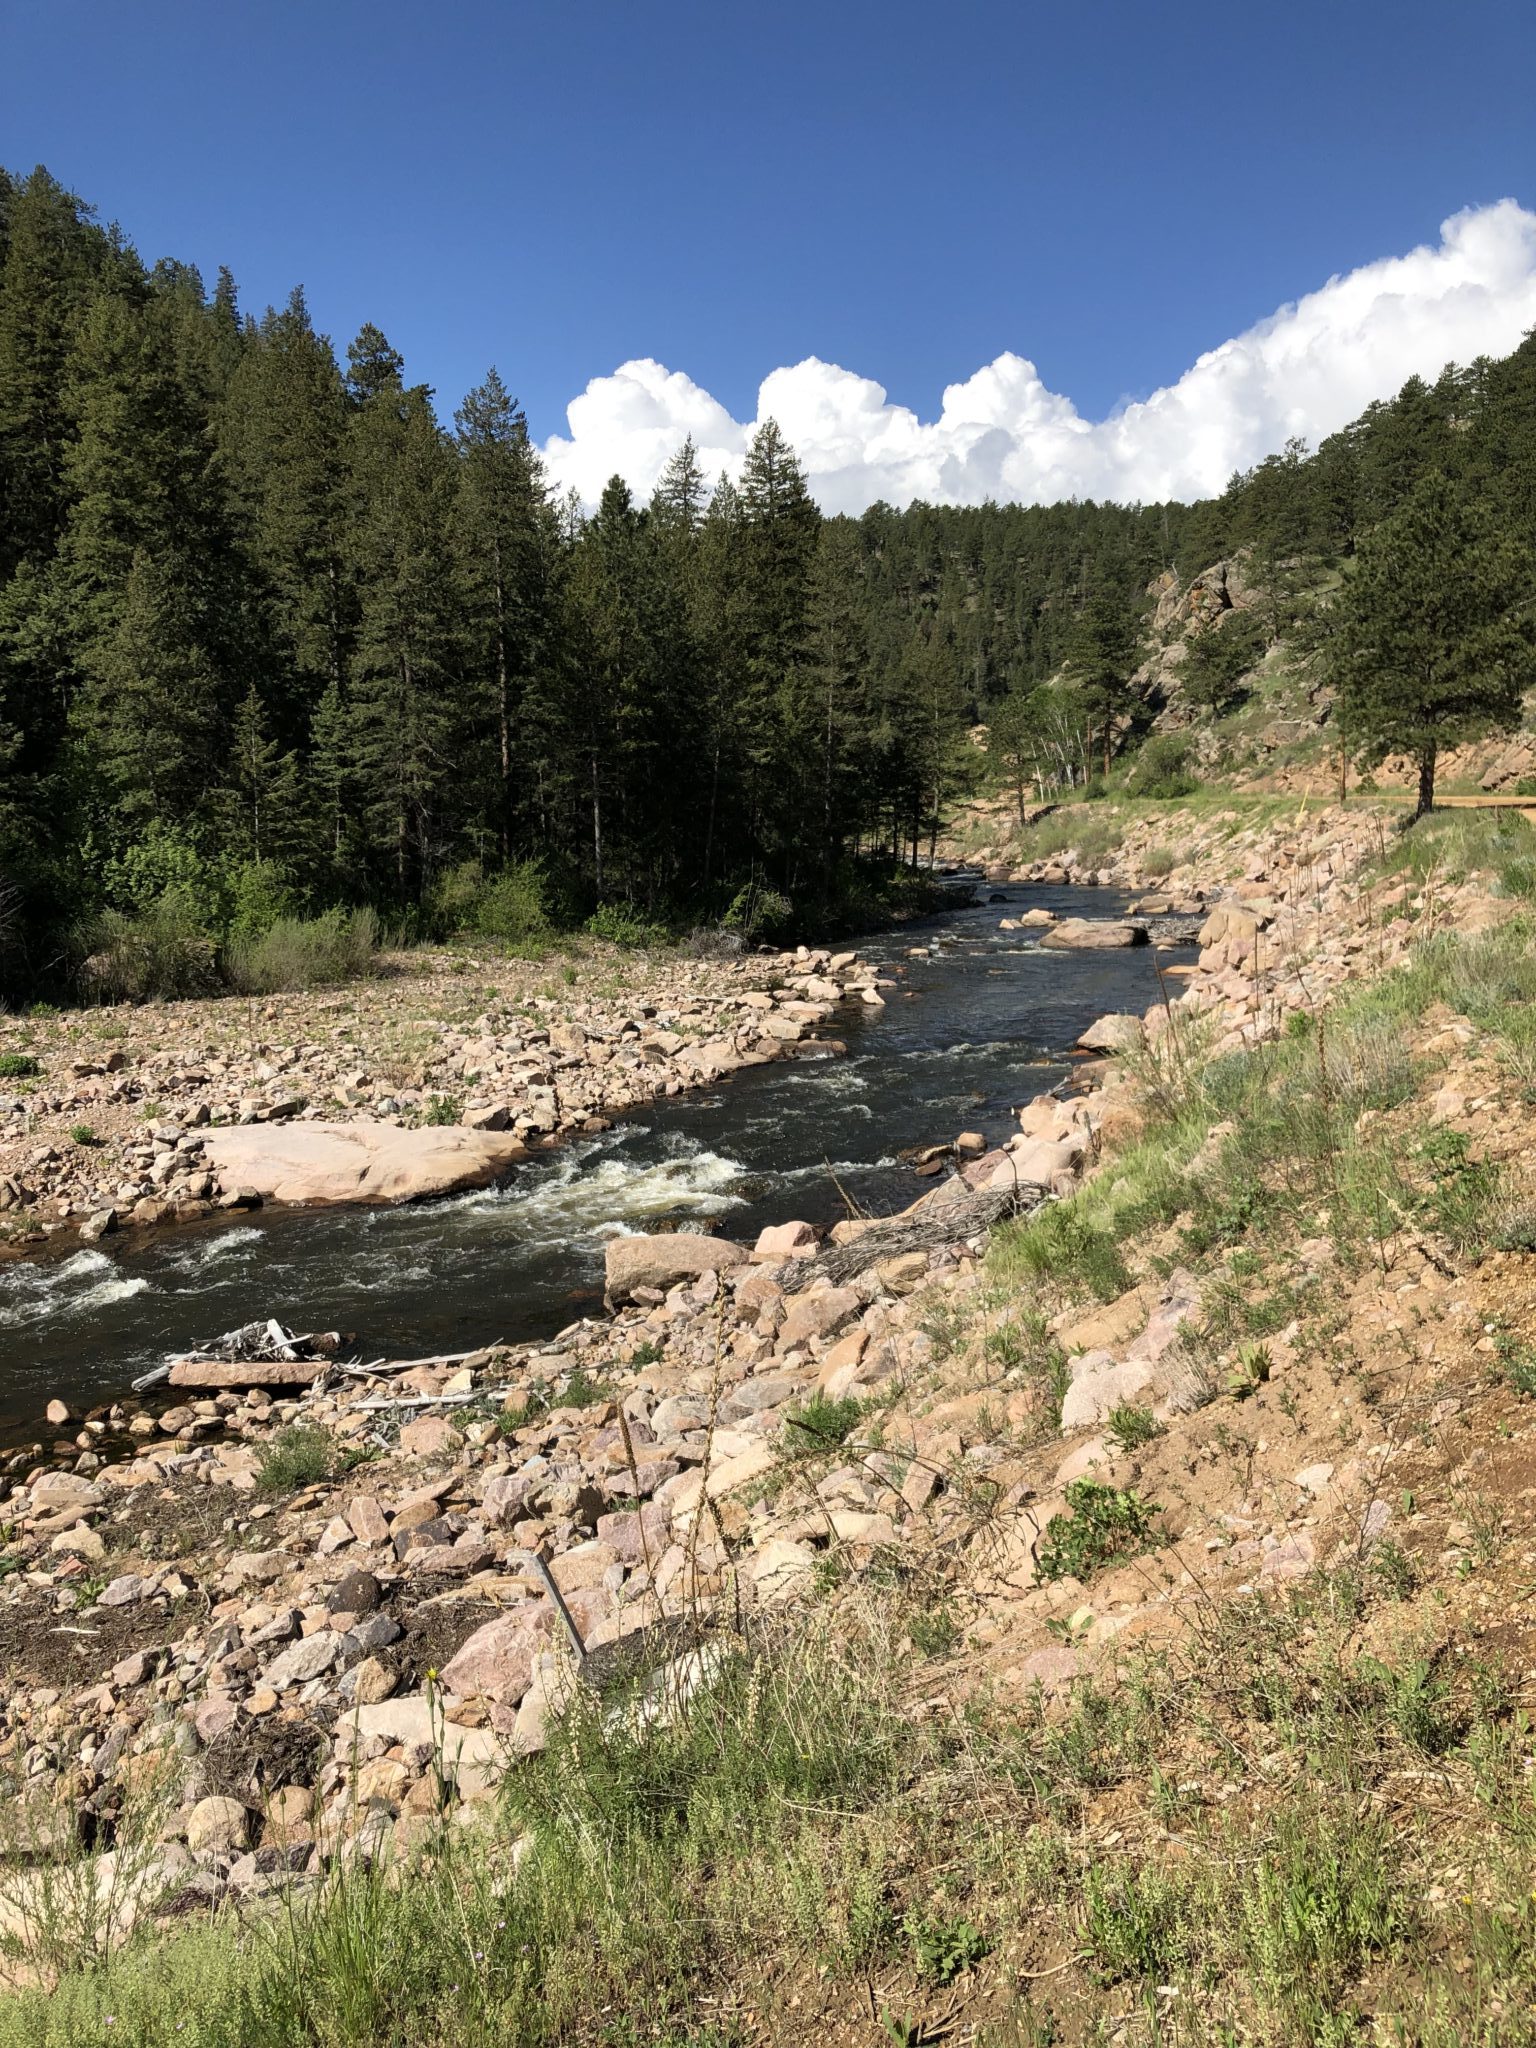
x: 970, y: 1032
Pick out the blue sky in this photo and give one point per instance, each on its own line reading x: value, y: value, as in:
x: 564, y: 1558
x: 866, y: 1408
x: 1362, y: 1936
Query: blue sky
x: 1106, y: 189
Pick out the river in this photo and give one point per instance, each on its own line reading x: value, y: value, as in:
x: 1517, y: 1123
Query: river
x: 972, y: 1030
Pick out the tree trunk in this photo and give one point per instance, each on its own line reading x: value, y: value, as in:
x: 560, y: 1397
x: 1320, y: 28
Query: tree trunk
x: 597, y: 829
x: 1426, y: 803
x: 503, y: 708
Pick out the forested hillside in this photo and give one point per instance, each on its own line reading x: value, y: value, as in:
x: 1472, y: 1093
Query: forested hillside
x: 273, y: 631
x: 277, y: 635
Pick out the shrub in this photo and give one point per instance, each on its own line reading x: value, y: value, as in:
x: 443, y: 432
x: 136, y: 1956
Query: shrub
x: 260, y: 895
x: 511, y: 906
x: 1105, y: 1523
x: 757, y: 912
x: 619, y: 925
x: 163, y: 952
x: 1162, y: 769
x: 820, y: 1425
x: 18, y: 1066
x: 297, y: 953
x: 301, y: 1456
x: 1129, y: 1427
x: 81, y: 1134
x: 442, y: 1109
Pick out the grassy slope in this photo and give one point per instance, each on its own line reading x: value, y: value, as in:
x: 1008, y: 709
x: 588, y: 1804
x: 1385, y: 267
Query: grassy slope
x: 1304, y: 1816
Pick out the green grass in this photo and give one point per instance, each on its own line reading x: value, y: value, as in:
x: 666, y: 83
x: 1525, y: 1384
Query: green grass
x: 18, y: 1066
x: 1309, y: 1133
x: 301, y: 1456
x: 795, y: 1828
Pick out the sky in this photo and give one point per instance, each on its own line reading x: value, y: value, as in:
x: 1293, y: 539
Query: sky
x: 1108, y: 248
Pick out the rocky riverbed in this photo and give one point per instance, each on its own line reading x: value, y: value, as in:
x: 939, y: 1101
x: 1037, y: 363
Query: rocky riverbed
x: 417, y: 1084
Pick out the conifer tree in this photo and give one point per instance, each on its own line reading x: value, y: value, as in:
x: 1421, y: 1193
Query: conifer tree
x: 1437, y: 632
x: 504, y: 530
x: 408, y: 659
x: 44, y: 283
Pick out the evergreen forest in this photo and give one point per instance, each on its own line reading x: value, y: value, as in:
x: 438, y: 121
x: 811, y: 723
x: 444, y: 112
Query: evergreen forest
x: 282, y: 637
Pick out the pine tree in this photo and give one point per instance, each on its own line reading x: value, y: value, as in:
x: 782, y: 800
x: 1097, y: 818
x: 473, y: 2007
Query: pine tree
x: 282, y: 440
x: 1101, y: 655
x: 505, y: 530
x: 408, y: 660
x: 46, y: 278
x: 1436, y: 633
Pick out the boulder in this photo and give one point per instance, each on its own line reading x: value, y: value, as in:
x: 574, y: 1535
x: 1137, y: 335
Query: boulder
x: 1118, y: 1032
x: 320, y: 1162
x: 497, y: 1662
x: 662, y: 1261
x: 784, y: 1241
x: 220, y: 1825
x: 1081, y: 934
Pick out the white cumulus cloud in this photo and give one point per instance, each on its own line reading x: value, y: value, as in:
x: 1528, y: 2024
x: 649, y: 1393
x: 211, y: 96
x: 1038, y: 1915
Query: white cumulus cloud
x: 1307, y: 369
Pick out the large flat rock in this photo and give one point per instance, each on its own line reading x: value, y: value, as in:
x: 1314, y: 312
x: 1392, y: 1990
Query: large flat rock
x: 316, y: 1163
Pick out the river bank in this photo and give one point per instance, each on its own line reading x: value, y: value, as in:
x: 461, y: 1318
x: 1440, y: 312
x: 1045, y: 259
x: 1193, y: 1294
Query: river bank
x: 322, y: 1622
x: 976, y: 1019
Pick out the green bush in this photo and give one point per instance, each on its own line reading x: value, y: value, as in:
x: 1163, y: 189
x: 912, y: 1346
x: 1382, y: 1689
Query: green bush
x: 1105, y: 1523
x: 18, y: 1066
x: 165, y: 951
x: 511, y: 906
x: 298, y: 953
x: 821, y: 1424
x: 618, y: 924
x: 260, y: 895
x: 1162, y: 769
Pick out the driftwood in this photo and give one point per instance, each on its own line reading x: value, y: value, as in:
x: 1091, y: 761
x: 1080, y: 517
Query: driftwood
x: 380, y: 1366
x: 230, y: 1375
x: 383, y: 1402
x: 942, y: 1219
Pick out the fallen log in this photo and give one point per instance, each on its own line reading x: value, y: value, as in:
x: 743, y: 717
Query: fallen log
x: 234, y: 1375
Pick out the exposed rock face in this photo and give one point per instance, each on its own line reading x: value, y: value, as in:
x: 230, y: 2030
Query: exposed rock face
x: 662, y: 1261
x: 319, y: 1162
x: 1080, y: 934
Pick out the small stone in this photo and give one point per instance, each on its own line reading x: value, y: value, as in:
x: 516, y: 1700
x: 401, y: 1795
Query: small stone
x: 367, y: 1519
x: 304, y: 1660
x: 124, y: 1591
x: 374, y: 1680
x: 358, y: 1593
